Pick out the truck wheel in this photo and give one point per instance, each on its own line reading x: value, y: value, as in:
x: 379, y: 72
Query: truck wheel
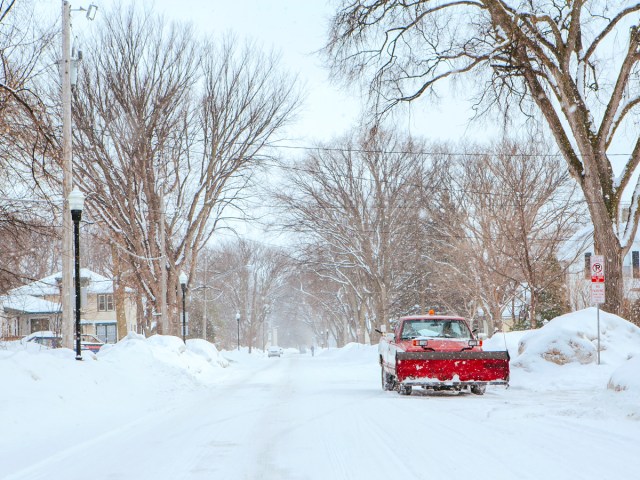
x: 404, y: 390
x: 387, y: 381
x: 478, y: 389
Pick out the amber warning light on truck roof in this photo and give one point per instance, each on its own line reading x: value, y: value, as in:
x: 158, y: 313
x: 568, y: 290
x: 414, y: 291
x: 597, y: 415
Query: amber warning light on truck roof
x: 432, y: 312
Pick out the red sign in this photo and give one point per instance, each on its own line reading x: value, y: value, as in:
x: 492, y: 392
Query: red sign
x: 597, y: 268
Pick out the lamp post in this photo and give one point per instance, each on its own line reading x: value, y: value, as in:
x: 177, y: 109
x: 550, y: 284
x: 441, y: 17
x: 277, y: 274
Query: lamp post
x: 183, y: 283
x: 68, y: 72
x: 238, y: 320
x: 76, y: 202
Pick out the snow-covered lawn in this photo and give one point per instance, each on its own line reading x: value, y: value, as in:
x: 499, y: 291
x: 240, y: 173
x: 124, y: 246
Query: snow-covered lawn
x: 153, y: 409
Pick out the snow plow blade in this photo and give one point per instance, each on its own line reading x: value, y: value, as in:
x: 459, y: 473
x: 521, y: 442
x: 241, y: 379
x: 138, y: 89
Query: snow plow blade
x: 453, y: 368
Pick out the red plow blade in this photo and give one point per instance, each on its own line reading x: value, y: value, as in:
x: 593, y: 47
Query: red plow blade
x: 424, y: 368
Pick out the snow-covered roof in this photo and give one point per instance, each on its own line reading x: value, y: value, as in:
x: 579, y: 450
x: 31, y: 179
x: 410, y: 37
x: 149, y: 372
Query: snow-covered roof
x: 51, y: 285
x: 28, y: 304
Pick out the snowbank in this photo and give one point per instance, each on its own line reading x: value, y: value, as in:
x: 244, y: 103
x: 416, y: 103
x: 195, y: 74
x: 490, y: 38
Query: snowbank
x: 567, y: 348
x: 573, y: 338
x: 500, y: 340
x: 627, y: 376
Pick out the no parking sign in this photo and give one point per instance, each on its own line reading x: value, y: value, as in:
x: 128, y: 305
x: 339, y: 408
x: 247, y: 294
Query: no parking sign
x: 597, y: 279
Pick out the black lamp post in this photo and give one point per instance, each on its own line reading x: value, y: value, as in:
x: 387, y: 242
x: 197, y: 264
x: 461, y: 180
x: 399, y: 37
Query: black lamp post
x: 183, y: 284
x: 76, y: 202
x: 238, y: 320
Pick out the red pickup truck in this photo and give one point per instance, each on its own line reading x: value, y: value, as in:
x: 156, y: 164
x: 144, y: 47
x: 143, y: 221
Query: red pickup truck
x: 441, y: 353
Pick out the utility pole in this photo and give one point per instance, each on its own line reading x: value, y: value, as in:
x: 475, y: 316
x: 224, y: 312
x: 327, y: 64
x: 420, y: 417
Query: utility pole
x: 204, y: 312
x: 163, y: 269
x: 67, y: 180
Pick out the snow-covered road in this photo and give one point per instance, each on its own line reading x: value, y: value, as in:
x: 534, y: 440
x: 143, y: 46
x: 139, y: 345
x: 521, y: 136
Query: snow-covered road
x: 325, y: 417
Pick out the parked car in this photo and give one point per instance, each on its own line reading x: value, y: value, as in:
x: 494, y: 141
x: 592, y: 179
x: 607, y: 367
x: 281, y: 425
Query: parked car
x: 90, y: 342
x: 51, y: 340
x: 274, y: 351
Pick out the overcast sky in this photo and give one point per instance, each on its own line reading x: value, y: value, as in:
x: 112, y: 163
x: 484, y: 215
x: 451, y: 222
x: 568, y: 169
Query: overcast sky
x: 297, y: 30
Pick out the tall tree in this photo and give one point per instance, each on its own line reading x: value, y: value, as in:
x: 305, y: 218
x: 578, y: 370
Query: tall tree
x: 168, y: 130
x: 575, y: 63
x: 506, y: 214
x: 25, y: 139
x: 352, y: 202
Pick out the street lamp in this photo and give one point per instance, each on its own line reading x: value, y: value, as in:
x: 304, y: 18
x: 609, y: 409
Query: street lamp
x: 238, y: 320
x: 76, y: 202
x: 183, y: 283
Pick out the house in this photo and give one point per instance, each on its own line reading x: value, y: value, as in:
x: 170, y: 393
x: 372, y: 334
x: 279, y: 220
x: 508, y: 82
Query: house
x: 36, y: 306
x: 33, y: 312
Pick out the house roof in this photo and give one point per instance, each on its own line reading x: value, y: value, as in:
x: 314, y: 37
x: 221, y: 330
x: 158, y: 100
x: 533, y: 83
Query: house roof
x: 51, y: 285
x: 28, y: 304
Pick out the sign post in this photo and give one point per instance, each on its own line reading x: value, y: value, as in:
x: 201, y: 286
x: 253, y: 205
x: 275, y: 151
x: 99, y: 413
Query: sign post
x: 597, y: 289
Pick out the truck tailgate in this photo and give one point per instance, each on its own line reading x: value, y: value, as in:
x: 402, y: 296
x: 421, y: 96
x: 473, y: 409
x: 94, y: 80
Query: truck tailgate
x: 454, y: 367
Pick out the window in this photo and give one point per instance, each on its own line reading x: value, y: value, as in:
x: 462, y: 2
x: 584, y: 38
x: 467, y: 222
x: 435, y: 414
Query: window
x: 106, y: 332
x: 587, y: 265
x: 105, y: 302
x: 39, y: 324
x: 635, y: 264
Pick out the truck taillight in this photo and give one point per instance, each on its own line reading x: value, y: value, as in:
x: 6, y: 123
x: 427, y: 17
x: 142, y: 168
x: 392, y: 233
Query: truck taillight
x: 420, y: 343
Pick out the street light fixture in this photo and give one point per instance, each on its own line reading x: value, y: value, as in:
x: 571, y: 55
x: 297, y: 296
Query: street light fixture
x: 238, y: 320
x: 76, y: 203
x: 183, y: 283
x: 91, y: 12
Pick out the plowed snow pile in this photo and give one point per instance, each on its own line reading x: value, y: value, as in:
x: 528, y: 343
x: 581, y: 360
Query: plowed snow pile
x: 572, y: 339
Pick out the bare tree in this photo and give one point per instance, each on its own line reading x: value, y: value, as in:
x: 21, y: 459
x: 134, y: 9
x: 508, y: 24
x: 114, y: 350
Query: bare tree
x: 251, y: 280
x: 25, y: 138
x: 576, y: 63
x: 352, y: 203
x: 168, y: 129
x: 508, y: 214
x: 24, y: 43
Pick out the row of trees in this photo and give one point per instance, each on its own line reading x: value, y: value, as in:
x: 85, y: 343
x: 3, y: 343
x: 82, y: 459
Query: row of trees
x: 388, y: 227
x: 169, y: 128
x: 572, y: 67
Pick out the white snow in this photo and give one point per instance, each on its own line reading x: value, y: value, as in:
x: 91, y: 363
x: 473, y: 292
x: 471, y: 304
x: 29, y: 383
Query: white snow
x: 51, y: 285
x: 155, y: 408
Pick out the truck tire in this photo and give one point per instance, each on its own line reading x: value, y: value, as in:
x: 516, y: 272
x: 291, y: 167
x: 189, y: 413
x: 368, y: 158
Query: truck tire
x: 478, y: 389
x: 387, y: 381
x: 404, y: 389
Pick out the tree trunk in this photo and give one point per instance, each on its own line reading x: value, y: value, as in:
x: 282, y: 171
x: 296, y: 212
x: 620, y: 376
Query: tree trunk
x: 608, y: 245
x: 119, y: 294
